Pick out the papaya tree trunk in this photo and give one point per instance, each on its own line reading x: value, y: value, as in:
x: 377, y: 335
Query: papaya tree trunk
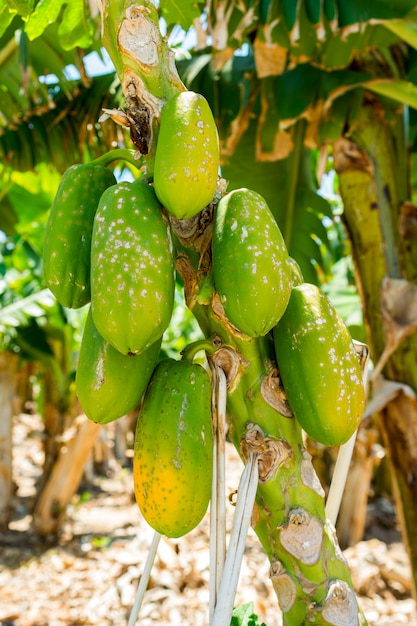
x: 308, y: 571
x: 372, y: 169
x: 8, y: 366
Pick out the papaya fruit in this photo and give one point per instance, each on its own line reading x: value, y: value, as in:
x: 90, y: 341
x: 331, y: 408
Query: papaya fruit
x: 187, y: 155
x: 173, y: 449
x: 66, y: 252
x: 318, y: 367
x: 108, y: 383
x: 296, y: 273
x: 251, y: 266
x: 132, y: 268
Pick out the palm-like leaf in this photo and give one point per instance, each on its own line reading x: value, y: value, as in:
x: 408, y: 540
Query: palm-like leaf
x: 44, y: 114
x: 19, y: 312
x: 67, y: 130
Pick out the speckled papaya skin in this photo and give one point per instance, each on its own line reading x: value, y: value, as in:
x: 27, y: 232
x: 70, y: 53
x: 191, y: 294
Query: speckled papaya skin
x: 108, y: 383
x: 173, y: 450
x: 187, y: 155
x: 319, y: 367
x: 132, y: 268
x: 251, y: 266
x: 66, y: 253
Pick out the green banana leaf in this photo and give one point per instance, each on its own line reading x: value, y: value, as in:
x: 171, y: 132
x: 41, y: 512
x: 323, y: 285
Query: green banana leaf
x: 19, y: 313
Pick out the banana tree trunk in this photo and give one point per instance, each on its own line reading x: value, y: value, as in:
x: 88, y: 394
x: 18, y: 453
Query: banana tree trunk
x: 351, y: 521
x: 65, y: 476
x: 308, y: 571
x: 380, y: 222
x: 56, y: 420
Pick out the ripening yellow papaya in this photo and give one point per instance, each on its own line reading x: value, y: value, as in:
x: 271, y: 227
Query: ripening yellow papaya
x: 173, y: 449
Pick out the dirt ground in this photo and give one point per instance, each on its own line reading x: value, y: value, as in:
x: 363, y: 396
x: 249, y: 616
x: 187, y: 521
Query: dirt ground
x: 89, y: 574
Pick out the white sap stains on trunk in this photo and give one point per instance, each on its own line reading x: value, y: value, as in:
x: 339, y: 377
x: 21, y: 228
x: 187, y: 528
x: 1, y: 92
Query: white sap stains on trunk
x: 139, y: 37
x: 273, y: 393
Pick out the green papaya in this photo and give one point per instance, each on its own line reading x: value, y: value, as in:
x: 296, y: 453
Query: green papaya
x: 173, y: 449
x: 251, y: 266
x: 187, y: 155
x: 108, y: 383
x: 132, y: 268
x: 319, y: 368
x: 66, y: 253
x: 296, y: 273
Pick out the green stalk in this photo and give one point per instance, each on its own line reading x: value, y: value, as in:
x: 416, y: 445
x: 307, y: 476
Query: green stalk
x: 119, y: 154
x: 190, y: 352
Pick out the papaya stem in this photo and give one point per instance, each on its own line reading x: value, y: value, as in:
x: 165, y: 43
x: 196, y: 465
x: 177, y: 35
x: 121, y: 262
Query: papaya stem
x: 338, y: 483
x: 189, y: 353
x: 119, y: 154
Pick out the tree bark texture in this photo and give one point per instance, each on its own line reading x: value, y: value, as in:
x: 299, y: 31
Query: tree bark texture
x: 65, y: 476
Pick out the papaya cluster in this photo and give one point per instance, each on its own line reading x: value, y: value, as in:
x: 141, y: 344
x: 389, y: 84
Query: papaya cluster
x: 110, y: 245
